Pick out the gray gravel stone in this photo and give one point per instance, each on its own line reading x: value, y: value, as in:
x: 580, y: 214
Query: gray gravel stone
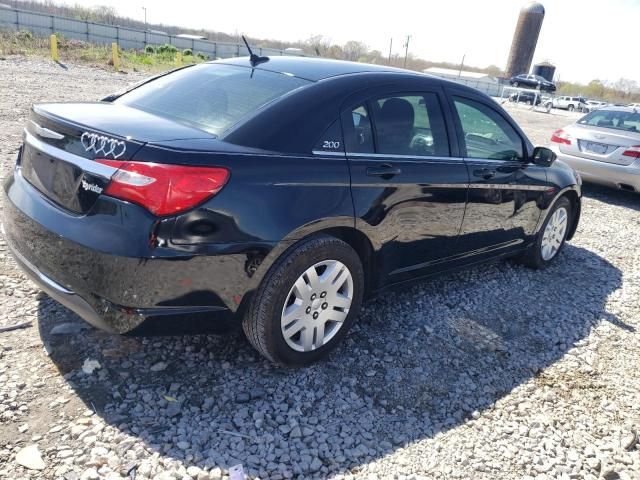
x: 30, y: 457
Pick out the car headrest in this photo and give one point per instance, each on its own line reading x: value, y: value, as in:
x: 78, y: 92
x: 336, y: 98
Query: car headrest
x: 396, y: 113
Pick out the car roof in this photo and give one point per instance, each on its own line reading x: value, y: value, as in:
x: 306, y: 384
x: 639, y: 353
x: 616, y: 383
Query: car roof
x: 313, y: 68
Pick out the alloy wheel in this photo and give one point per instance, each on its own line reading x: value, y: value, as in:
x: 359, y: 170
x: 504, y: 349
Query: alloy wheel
x: 317, y: 306
x: 553, y: 235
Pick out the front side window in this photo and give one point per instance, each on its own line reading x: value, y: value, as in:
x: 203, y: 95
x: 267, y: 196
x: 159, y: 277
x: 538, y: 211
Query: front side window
x: 411, y: 125
x: 211, y: 97
x: 486, y: 133
x: 613, y: 119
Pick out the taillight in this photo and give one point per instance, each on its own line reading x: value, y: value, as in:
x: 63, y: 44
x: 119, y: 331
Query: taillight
x: 560, y: 136
x: 632, y: 152
x: 164, y: 189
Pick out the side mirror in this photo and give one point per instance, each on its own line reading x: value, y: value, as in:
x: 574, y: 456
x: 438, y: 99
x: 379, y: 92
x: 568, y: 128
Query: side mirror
x: 543, y: 156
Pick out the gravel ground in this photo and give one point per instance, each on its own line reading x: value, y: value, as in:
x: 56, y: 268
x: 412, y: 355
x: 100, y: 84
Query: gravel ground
x: 495, y: 372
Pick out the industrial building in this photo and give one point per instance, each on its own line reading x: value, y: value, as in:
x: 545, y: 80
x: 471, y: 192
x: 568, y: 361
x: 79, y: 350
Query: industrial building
x: 481, y: 81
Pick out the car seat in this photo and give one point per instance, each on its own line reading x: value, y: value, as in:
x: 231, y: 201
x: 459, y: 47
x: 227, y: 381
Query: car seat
x: 394, y: 125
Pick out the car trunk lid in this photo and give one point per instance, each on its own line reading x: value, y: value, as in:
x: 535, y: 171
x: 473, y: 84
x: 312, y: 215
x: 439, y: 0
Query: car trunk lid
x: 600, y: 144
x: 63, y: 141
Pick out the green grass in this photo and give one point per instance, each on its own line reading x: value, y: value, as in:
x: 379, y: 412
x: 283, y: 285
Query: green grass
x: 77, y: 51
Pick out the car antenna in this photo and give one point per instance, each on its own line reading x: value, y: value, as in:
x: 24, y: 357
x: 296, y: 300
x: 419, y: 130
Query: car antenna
x: 253, y: 58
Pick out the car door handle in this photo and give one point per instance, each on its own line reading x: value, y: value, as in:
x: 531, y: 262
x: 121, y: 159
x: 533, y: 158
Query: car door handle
x: 384, y: 171
x: 484, y: 173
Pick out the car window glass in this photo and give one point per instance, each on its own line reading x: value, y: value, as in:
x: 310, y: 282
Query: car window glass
x: 211, y: 97
x: 358, y: 136
x: 617, y: 120
x: 486, y: 133
x: 410, y: 125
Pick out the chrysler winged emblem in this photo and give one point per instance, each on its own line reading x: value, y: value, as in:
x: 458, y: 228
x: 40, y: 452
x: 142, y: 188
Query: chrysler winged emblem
x: 99, y: 144
x: 45, y: 132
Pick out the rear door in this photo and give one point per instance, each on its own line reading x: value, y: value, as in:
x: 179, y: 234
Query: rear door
x: 504, y: 189
x: 409, y: 185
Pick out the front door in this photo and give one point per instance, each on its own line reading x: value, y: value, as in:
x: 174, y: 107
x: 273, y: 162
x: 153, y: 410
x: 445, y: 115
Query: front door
x: 409, y: 192
x: 505, y: 190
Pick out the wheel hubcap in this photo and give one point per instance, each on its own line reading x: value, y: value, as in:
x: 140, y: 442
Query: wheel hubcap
x: 553, y: 235
x: 317, y: 305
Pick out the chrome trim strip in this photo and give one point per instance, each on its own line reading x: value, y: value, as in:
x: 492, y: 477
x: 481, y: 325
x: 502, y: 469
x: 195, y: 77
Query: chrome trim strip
x: 406, y: 157
x: 331, y: 154
x: 83, y: 163
x: 480, y: 161
x: 507, y: 186
x: 391, y: 184
x: 45, y: 132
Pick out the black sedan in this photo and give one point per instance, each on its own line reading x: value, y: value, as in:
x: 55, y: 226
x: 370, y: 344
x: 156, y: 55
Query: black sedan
x: 274, y: 196
x: 525, y: 97
x: 532, y: 81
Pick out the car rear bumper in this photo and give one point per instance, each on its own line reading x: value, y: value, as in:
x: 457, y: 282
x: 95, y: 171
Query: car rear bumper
x: 626, y: 177
x: 66, y: 297
x: 131, y: 287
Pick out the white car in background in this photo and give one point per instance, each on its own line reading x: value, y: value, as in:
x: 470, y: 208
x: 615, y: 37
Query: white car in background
x: 570, y: 103
x: 603, y: 147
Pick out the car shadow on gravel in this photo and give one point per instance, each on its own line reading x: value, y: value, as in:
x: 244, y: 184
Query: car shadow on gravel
x: 620, y: 198
x: 419, y: 362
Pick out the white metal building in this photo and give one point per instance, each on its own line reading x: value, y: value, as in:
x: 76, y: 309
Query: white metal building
x: 481, y: 81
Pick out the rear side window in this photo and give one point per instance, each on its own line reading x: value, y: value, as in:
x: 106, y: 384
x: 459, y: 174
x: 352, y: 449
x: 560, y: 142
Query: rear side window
x: 614, y: 119
x: 486, y: 133
x: 212, y: 97
x: 358, y: 134
x: 411, y: 125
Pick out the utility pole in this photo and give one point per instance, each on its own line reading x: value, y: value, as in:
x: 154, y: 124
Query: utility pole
x: 390, y: 47
x: 406, y: 50
x: 461, y: 65
x: 145, y: 17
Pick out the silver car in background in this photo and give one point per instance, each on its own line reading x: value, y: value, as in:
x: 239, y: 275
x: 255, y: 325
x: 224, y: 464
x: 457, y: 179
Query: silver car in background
x: 603, y: 147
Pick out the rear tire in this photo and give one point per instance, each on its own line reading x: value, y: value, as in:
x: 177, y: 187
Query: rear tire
x: 292, y: 298
x: 571, y: 108
x: 551, y: 238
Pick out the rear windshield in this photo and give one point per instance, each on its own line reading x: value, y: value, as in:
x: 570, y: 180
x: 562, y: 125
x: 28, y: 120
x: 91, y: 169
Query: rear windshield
x: 615, y: 119
x: 212, y: 97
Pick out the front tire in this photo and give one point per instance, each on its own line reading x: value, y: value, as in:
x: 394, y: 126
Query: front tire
x: 552, y: 236
x: 307, y: 302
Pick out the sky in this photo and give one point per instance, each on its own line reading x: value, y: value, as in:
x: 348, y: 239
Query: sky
x: 585, y: 39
